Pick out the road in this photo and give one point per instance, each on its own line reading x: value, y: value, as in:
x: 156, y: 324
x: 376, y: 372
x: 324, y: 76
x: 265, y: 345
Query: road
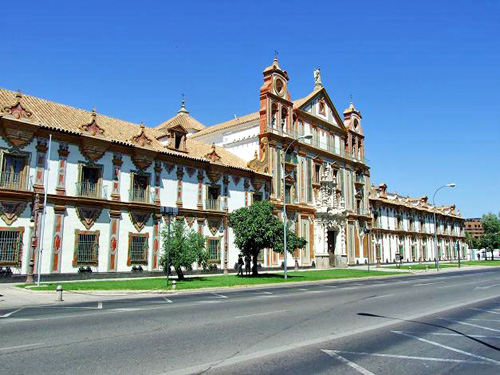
x: 440, y: 323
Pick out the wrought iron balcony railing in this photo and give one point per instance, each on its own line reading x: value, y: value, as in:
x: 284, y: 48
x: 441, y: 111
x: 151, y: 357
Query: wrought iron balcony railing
x: 212, y: 204
x: 91, y: 190
x: 14, y: 181
x: 141, y: 196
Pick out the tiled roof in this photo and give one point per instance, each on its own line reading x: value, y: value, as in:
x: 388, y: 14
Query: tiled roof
x: 69, y: 119
x: 184, y: 119
x: 228, y: 124
x: 300, y: 102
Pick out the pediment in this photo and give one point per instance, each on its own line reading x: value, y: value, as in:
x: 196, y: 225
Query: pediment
x: 142, y: 159
x: 178, y: 128
x: 16, y: 134
x: 313, y: 106
x: 93, y: 149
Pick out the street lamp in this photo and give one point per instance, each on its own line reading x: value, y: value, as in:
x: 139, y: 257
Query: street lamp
x: 305, y: 136
x: 168, y: 212
x: 451, y: 185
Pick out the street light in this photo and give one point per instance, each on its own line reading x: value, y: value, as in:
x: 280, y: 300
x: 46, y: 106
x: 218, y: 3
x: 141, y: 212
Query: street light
x: 450, y: 185
x: 305, y: 136
x: 168, y: 212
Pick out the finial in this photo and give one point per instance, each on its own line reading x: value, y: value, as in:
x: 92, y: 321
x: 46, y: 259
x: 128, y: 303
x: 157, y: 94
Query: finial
x: 142, y: 125
x: 275, y: 55
x: 19, y: 94
x: 183, y: 105
x: 94, y: 112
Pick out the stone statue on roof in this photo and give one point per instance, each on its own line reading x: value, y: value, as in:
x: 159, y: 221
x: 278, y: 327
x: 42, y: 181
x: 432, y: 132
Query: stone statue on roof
x: 317, y: 78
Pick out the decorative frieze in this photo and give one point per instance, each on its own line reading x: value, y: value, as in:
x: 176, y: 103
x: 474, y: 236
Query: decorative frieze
x: 57, y: 241
x: 114, y: 217
x: 61, y: 170
x: 180, y: 175
x: 157, y: 182
x: 117, y: 167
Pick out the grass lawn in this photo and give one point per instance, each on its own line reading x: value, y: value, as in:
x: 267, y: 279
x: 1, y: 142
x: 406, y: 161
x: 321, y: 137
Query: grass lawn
x: 212, y: 281
x: 465, y: 263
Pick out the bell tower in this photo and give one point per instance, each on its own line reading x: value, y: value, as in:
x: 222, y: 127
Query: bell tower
x: 275, y: 104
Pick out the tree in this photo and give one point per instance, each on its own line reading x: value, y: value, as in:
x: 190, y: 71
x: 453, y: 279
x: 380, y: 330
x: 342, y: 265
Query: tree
x: 185, y: 248
x: 257, y: 228
x: 490, y: 240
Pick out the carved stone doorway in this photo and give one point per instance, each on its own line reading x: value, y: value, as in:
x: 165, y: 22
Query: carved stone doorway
x: 331, y: 239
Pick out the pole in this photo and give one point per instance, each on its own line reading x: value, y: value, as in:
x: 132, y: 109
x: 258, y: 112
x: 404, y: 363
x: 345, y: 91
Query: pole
x: 44, y: 212
x: 285, y: 254
x: 458, y: 249
x: 168, y: 247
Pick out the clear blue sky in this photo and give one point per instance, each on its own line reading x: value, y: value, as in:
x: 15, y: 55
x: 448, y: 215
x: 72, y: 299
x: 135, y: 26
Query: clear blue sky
x: 425, y: 74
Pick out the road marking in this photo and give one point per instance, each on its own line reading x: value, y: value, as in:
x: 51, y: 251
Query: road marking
x: 386, y: 295
x: 471, y: 325
x: 264, y: 292
x: 303, y: 289
x: 22, y: 346
x: 99, y: 305
x: 487, y: 287
x: 427, y: 283
x: 410, y: 357
x: 447, y: 347
x: 488, y: 311
x: 358, y: 368
x: 484, y: 320
x: 166, y: 299
x: 208, y: 301
x: 454, y: 334
x: 259, y: 314
x: 130, y: 309
x: 11, y: 313
x: 330, y: 286
x: 219, y: 295
x: 456, y: 285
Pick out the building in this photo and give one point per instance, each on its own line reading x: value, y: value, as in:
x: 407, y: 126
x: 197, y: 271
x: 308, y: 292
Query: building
x: 109, y: 179
x: 324, y: 181
x: 474, y: 227
x: 403, y: 228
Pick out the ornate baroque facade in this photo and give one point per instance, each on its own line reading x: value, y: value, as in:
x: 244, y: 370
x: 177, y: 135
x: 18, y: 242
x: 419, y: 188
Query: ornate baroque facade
x: 108, y: 180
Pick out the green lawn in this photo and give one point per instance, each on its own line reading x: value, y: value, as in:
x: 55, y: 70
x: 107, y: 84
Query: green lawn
x: 454, y: 264
x: 213, y: 281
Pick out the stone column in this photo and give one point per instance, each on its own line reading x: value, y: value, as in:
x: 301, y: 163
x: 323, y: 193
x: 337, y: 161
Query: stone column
x: 61, y: 170
x: 117, y: 166
x: 113, y: 240
x: 201, y: 176
x: 180, y: 174
x: 59, y: 213
x: 41, y: 150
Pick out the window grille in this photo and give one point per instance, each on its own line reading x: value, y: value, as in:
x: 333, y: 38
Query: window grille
x: 214, y: 249
x: 138, y: 249
x: 87, y: 248
x: 10, y: 247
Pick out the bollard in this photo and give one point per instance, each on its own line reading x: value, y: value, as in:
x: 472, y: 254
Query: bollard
x: 296, y: 268
x: 174, y: 284
x: 59, y: 291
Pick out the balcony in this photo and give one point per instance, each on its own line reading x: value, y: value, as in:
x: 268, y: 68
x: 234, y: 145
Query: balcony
x: 14, y: 181
x: 140, y: 196
x: 212, y: 205
x: 91, y: 190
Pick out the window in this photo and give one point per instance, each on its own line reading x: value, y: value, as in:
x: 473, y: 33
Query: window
x: 11, y: 246
x: 213, y: 245
x: 317, y: 173
x: 322, y: 107
x: 308, y: 181
x: 213, y: 202
x: 13, y: 172
x: 87, y: 248
x: 284, y: 120
x: 90, y: 182
x: 137, y: 249
x: 140, y: 188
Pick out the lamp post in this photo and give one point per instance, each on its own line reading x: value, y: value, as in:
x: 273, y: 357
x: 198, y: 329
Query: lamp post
x: 305, y: 136
x: 450, y: 185
x: 367, y: 232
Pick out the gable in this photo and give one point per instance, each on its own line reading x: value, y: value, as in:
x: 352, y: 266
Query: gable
x: 319, y: 104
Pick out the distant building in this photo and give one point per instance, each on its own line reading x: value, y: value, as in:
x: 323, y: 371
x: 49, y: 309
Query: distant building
x: 474, y: 227
x: 404, y: 226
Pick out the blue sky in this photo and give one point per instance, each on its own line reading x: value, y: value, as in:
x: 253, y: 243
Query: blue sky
x: 426, y: 74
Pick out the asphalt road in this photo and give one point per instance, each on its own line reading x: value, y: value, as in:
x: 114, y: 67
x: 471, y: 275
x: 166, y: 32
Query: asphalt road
x: 437, y: 324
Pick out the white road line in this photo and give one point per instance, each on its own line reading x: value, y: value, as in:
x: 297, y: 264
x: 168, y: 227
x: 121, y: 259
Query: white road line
x: 219, y: 295
x: 11, y: 313
x: 454, y: 334
x: 386, y: 295
x: 427, y: 283
x: 22, y: 346
x: 488, y: 311
x: 447, y: 347
x: 264, y: 292
x: 207, y: 301
x: 130, y: 309
x: 487, y: 287
x: 432, y: 359
x: 471, y: 325
x: 259, y: 314
x: 168, y: 301
x: 99, y: 305
x: 484, y: 320
x: 358, y: 368
x: 303, y: 289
